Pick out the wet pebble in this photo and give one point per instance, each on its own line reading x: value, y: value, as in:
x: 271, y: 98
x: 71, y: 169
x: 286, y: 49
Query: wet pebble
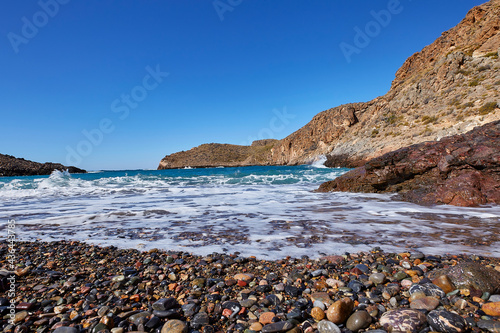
x: 358, y: 320
x: 427, y: 303
x: 403, y: 320
x: 446, y: 321
x: 326, y: 326
x: 339, y: 311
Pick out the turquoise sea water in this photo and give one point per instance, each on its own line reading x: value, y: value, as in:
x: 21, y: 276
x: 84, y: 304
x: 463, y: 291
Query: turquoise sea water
x: 269, y: 212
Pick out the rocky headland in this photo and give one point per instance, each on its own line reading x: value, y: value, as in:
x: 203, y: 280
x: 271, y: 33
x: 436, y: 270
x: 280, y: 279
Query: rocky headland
x: 448, y: 88
x: 71, y: 287
x: 461, y: 170
x: 11, y: 166
x: 215, y: 154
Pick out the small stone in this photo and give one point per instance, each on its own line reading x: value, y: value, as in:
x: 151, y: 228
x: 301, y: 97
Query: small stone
x: 335, y: 283
x: 492, y: 309
x: 392, y: 289
x: 60, y: 309
x: 165, y: 304
x: 247, y: 303
x: 426, y: 303
x: 318, y: 304
x: 378, y: 278
x: 447, y: 322
x: 356, y: 286
x: 444, y: 283
x: 20, y: 316
x: 266, y: 317
x: 117, y: 330
x: 322, y: 297
x: 400, y: 275
x: 489, y: 325
x: 25, y: 306
x: 65, y: 329
x: 138, y: 317
x: 198, y: 282
x: 199, y: 320
x: 243, y: 277
x: 417, y: 295
x: 494, y: 298
x: 339, y: 311
x: 118, y: 278
x: 256, y: 326
x: 281, y: 326
x: 320, y: 285
x: 99, y: 327
x: 102, y: 311
x: 428, y: 289
x: 326, y: 326
x: 358, y: 320
x: 108, y: 321
x: 406, y: 284
x: 403, y: 320
x: 317, y: 314
x: 174, y: 326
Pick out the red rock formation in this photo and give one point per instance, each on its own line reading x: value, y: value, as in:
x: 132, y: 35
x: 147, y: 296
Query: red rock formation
x: 461, y: 170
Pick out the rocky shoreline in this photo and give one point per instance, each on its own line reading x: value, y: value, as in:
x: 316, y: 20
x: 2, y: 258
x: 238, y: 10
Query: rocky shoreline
x: 460, y: 170
x: 71, y: 287
x: 11, y: 166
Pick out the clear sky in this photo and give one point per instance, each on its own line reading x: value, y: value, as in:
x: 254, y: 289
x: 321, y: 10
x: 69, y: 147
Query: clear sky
x: 106, y: 84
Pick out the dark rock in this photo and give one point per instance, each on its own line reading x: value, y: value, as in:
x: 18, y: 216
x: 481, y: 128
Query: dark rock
x: 356, y: 286
x: 153, y: 322
x: 11, y: 166
x: 358, y: 320
x: 489, y: 325
x: 199, y: 320
x: 428, y: 288
x: 281, y: 326
x: 447, y: 322
x: 172, y: 313
x: 165, y: 304
x: 65, y: 329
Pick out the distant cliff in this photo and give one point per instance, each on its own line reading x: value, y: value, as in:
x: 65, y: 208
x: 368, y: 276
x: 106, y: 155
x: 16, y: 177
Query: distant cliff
x: 448, y: 88
x: 11, y: 166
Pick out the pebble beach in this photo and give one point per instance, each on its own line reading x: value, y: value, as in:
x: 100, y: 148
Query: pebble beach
x: 71, y: 287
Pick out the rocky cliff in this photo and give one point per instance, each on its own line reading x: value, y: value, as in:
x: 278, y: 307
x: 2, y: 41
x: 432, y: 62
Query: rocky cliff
x: 460, y: 170
x: 11, y: 166
x: 448, y: 88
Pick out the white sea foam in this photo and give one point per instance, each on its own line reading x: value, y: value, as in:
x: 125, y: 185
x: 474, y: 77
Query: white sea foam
x: 319, y: 162
x: 266, y: 212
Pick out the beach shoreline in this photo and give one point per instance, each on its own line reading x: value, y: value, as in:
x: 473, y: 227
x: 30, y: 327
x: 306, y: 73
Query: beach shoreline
x: 70, y: 286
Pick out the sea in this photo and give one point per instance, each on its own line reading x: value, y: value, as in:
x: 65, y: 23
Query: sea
x: 269, y: 212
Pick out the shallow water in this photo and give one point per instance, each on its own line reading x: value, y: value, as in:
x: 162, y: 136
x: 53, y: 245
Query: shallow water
x: 269, y: 212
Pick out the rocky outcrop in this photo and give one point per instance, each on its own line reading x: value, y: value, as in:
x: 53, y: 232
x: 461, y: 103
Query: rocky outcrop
x: 215, y: 154
x: 448, y: 88
x: 461, y: 170
x: 11, y: 166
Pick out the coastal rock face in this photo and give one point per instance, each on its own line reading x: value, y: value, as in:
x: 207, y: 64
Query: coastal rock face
x: 448, y: 88
x: 461, y: 170
x: 11, y: 166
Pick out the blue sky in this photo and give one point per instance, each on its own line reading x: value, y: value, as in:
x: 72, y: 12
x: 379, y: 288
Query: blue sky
x: 119, y: 84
